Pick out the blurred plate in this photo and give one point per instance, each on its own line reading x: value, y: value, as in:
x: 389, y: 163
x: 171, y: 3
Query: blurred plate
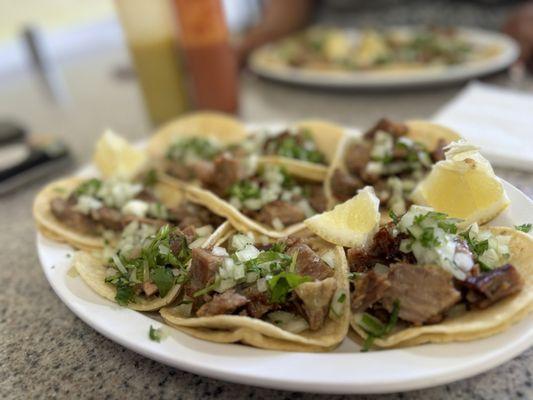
x: 262, y: 64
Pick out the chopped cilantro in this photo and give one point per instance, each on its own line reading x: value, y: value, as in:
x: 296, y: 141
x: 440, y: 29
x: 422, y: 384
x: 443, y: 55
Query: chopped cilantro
x: 524, y: 227
x: 377, y: 329
x: 155, y: 334
x: 196, y: 147
x: 428, y: 238
x: 393, y: 216
x: 289, y: 147
x: 283, y: 283
x: 124, y: 295
x: 88, y: 188
x: 163, y: 279
x: 151, y: 178
x: 342, y: 298
x: 244, y: 190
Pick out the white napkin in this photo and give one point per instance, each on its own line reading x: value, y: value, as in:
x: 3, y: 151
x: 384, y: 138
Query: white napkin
x: 498, y: 120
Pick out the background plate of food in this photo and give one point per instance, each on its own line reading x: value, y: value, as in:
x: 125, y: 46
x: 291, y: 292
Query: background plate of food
x: 373, y: 59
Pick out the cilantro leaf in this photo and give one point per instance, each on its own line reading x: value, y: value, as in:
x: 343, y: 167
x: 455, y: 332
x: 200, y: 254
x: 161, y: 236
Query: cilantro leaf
x: 163, y: 279
x: 124, y: 295
x: 524, y: 227
x: 283, y: 283
x: 154, y: 334
x: 428, y: 239
x: 394, y: 217
x: 88, y: 188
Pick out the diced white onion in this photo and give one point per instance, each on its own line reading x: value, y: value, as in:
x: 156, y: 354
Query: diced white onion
x: 205, y: 230
x: 277, y: 224
x: 239, y: 241
x: 198, y: 242
x: 287, y: 321
x: 135, y: 207
x: 248, y: 253
x: 220, y: 251
x: 329, y: 258
x: 262, y: 285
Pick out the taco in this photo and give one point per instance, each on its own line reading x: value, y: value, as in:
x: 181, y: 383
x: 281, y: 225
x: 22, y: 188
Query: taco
x: 85, y: 212
x: 187, y: 148
x: 263, y: 197
x: 307, y: 147
x: 145, y: 269
x: 421, y: 280
x: 289, y: 294
x: 391, y: 157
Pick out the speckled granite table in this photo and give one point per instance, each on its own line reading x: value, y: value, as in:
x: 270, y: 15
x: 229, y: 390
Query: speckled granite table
x: 45, y: 351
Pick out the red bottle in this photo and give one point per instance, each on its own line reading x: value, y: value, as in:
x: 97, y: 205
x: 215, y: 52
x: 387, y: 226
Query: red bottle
x: 211, y: 62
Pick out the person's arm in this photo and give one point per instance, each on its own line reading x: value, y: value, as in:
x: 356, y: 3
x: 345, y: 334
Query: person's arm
x: 519, y: 25
x: 280, y: 18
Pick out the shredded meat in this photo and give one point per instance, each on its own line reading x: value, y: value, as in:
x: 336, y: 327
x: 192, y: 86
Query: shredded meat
x: 203, y: 269
x: 438, y: 153
x: 308, y: 263
x: 425, y: 292
x: 385, y: 249
x: 286, y: 212
x: 224, y: 303
x: 369, y: 288
x: 357, y: 156
x: 343, y: 185
x: 317, y: 198
x: 187, y: 214
x: 490, y: 287
x: 227, y: 170
x: 110, y: 218
x: 396, y: 129
x: 316, y: 298
x: 64, y: 211
x: 259, y: 302
x: 149, y: 288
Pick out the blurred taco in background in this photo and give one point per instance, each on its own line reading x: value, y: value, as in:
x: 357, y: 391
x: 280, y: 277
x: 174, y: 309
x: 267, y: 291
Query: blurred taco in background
x: 145, y: 268
x: 289, y: 294
x: 392, y: 157
x: 421, y: 280
x: 187, y: 148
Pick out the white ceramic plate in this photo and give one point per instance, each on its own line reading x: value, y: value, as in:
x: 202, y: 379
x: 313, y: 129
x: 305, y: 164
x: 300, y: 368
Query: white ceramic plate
x: 344, y: 370
x: 400, y: 79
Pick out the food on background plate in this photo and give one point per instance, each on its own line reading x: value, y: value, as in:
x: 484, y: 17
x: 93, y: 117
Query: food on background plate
x: 463, y: 186
x: 400, y: 49
x: 392, y: 157
x: 145, y: 269
x: 422, y: 279
x: 289, y: 294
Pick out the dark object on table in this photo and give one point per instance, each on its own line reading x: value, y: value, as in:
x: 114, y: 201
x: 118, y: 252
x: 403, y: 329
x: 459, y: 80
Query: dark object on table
x: 23, y: 160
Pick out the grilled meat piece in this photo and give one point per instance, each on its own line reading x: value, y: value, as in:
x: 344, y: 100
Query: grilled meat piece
x: 110, y: 218
x: 259, y: 302
x: 357, y: 156
x: 425, y: 292
x: 286, y: 212
x: 204, y: 267
x: 64, y: 211
x: 438, y: 153
x: 490, y: 287
x: 308, y: 263
x: 316, y: 298
x: 369, y: 288
x: 343, y: 185
x: 317, y: 198
x: 149, y: 288
x: 227, y: 170
x: 224, y: 303
x: 385, y: 249
x: 396, y: 129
